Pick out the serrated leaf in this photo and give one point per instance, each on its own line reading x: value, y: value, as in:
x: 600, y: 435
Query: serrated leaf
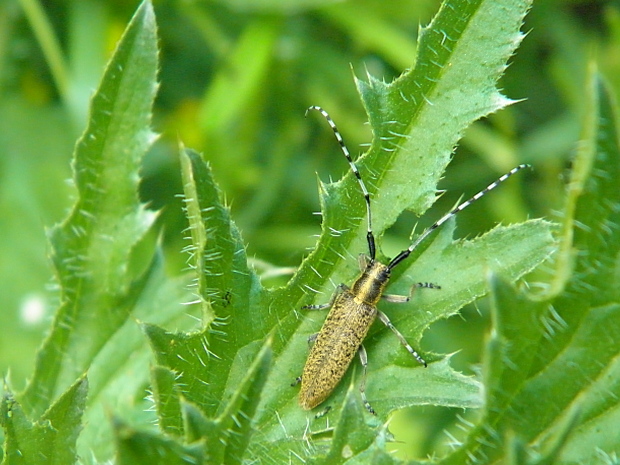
x: 229, y: 290
x: 51, y: 439
x: 204, y: 362
x: 439, y: 385
x: 226, y: 437
x: 167, y: 400
x: 460, y: 268
x: 418, y: 119
x: 237, y: 419
x: 146, y: 448
x: 120, y: 372
x: 551, y: 368
x: 91, y: 249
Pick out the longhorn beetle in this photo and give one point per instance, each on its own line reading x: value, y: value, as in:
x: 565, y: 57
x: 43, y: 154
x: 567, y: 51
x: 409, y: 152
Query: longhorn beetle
x: 354, y: 309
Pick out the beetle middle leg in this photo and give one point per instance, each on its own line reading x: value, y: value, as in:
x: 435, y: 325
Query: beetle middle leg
x: 386, y: 321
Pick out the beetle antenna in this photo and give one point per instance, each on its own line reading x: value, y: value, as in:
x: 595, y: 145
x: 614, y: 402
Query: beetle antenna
x: 369, y: 235
x: 405, y: 253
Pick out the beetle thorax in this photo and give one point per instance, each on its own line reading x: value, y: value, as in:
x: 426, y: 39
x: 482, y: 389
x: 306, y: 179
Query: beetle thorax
x: 369, y: 286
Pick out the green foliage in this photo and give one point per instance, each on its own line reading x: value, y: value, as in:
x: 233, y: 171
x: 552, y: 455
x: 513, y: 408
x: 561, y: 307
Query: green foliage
x: 52, y: 437
x: 91, y: 249
x: 551, y: 378
x: 220, y: 392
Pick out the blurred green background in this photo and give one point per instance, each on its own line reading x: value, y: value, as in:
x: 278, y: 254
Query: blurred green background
x: 236, y: 77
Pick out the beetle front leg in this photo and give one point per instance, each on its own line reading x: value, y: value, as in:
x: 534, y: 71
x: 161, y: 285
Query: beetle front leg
x: 401, y: 299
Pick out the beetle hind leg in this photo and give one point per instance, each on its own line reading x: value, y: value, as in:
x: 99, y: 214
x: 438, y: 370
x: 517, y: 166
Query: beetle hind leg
x: 364, y: 360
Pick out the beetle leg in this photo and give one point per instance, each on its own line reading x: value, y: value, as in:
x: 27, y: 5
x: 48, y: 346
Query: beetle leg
x: 386, y: 321
x: 364, y: 360
x: 400, y: 299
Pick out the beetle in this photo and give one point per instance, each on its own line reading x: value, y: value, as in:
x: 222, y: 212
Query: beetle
x: 354, y: 309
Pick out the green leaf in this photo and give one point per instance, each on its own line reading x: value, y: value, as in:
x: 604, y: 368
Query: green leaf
x: 92, y: 248
x: 229, y: 290
x: 103, y: 258
x: 418, y: 119
x: 167, y: 400
x: 227, y: 436
x: 207, y: 368
x: 146, y: 448
x: 119, y: 374
x: 551, y: 367
x: 51, y: 439
x: 437, y: 385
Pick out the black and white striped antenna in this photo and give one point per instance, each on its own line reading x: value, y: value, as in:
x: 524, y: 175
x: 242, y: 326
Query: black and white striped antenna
x: 369, y: 235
